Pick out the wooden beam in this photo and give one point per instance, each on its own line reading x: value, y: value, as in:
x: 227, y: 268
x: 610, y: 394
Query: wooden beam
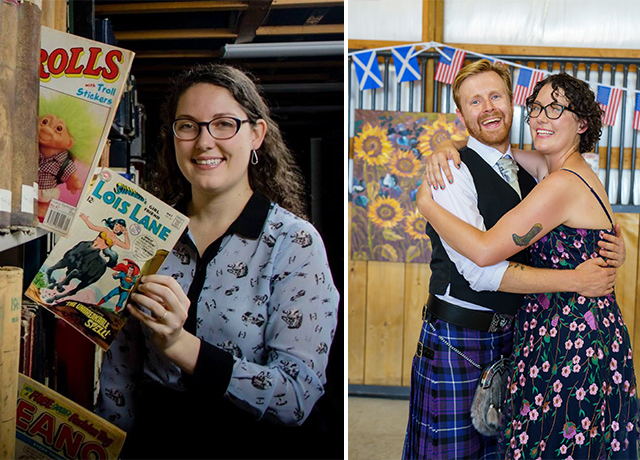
x: 510, y: 49
x: 549, y: 51
x: 439, y: 21
x: 369, y: 44
x: 178, y: 54
x: 252, y: 19
x: 174, y: 34
x: 318, y: 29
x: 60, y: 16
x: 428, y: 20
x: 169, y: 7
x: 305, y: 3
x: 195, y: 6
x: 178, y: 34
x: 48, y: 14
x: 432, y: 26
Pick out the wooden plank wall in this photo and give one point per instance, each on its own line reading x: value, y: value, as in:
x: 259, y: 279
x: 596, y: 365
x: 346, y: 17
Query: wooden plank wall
x: 385, y: 303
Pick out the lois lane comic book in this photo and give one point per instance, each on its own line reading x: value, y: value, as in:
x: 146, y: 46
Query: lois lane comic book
x: 123, y: 232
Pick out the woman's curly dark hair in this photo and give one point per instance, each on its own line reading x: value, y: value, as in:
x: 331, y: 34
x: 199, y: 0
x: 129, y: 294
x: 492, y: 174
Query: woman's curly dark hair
x: 582, y: 102
x: 276, y: 176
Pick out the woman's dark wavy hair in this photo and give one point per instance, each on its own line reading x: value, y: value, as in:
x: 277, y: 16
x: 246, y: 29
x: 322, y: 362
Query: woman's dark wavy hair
x: 582, y: 102
x: 276, y: 176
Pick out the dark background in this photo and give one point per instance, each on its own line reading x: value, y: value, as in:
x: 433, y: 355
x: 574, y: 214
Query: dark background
x: 304, y: 92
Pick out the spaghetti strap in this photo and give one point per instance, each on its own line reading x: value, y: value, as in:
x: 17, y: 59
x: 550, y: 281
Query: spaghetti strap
x: 594, y: 194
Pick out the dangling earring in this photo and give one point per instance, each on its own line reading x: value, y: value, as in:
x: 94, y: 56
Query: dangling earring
x: 254, y: 157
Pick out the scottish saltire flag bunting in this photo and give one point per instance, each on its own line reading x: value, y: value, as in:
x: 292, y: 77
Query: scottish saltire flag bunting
x: 609, y: 99
x: 406, y: 63
x: 524, y: 86
x: 450, y: 62
x: 367, y: 70
x: 636, y: 113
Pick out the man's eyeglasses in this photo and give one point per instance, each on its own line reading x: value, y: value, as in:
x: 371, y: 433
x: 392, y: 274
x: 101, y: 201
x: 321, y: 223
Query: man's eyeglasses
x: 553, y: 110
x: 220, y: 128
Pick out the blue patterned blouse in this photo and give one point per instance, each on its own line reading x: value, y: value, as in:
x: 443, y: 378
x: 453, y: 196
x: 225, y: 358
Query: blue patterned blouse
x: 266, y: 316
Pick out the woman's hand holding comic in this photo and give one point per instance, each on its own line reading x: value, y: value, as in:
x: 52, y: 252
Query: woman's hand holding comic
x: 167, y: 306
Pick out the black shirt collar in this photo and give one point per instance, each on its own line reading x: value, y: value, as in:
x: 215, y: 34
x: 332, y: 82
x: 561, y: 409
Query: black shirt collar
x: 250, y: 221
x: 252, y: 218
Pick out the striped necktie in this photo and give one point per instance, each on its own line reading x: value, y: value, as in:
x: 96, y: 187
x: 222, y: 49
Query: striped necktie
x: 509, y: 171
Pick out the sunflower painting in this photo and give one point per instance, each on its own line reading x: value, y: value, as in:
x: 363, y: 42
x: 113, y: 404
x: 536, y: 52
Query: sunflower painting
x: 388, y: 151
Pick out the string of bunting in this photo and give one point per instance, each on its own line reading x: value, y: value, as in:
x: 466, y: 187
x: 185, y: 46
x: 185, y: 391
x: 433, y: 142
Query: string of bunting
x: 450, y: 62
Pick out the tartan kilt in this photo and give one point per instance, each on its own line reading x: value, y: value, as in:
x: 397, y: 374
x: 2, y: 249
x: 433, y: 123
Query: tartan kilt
x: 442, y: 390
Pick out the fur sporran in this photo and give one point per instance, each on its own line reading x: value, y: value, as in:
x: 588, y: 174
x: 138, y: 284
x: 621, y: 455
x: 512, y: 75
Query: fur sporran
x: 486, y: 408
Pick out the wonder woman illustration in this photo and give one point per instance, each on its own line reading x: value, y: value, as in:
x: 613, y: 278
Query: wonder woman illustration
x: 85, y: 261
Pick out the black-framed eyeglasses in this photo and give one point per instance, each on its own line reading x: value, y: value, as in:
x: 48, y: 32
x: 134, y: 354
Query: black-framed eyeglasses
x: 553, y: 110
x: 220, y: 128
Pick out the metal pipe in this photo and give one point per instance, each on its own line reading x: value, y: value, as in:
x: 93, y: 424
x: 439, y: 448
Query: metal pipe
x: 278, y: 50
x: 634, y: 146
x: 622, y: 122
x: 386, y: 84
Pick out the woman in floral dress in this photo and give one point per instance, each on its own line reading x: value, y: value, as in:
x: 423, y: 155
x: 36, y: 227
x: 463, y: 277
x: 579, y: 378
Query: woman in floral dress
x: 572, y: 393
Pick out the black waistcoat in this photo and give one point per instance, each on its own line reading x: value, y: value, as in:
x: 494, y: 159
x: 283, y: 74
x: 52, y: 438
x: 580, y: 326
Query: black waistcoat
x: 495, y: 198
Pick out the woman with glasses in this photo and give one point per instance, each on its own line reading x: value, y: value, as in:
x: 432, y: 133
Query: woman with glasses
x: 228, y: 355
x: 572, y: 392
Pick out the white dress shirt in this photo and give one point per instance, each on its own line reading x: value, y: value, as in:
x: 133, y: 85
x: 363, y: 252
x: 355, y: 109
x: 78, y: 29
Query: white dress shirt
x: 461, y: 199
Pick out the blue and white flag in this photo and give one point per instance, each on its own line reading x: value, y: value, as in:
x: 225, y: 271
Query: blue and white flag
x: 406, y: 63
x: 367, y: 70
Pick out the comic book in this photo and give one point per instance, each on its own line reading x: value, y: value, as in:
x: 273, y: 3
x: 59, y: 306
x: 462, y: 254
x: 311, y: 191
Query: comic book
x: 81, y: 84
x: 50, y: 426
x: 123, y: 232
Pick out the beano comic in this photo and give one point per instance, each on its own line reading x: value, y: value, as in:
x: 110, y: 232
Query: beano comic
x: 48, y: 425
x: 123, y: 232
x: 81, y: 84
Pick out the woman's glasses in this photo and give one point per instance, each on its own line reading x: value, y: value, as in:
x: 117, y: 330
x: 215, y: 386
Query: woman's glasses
x: 553, y: 110
x: 220, y: 128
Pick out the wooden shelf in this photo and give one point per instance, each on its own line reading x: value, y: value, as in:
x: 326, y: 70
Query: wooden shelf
x: 17, y: 238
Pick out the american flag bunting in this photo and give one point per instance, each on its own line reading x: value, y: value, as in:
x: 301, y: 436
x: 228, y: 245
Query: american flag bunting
x: 636, y: 113
x: 449, y: 64
x: 527, y: 80
x: 609, y: 99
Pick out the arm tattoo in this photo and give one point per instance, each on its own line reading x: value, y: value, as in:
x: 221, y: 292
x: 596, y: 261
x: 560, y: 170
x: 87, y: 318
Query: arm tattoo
x: 525, y: 240
x: 516, y: 265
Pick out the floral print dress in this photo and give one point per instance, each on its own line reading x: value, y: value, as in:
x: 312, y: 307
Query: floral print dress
x: 573, y: 389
